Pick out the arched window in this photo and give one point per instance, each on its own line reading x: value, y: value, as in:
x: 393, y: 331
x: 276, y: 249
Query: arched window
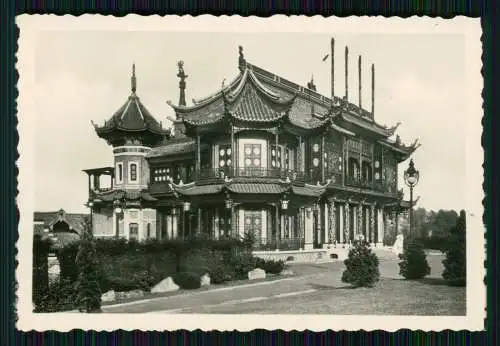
x: 133, y: 172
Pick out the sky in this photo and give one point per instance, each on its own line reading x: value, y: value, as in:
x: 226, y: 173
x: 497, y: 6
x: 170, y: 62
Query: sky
x: 85, y: 75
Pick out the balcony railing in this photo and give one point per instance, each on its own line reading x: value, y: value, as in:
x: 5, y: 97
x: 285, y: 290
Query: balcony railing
x: 282, y: 245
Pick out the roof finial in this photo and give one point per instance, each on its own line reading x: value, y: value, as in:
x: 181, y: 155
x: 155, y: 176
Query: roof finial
x: 133, y: 79
x: 311, y: 85
x: 182, y: 83
x: 241, y: 61
x: 346, y: 73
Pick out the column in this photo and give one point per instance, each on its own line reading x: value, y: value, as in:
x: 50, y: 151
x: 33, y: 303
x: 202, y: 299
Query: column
x: 175, y: 232
x: 115, y: 223
x: 347, y: 226
x: 372, y: 224
x: 326, y: 218
x: 380, y: 226
x: 308, y: 229
x: 216, y: 223
x: 233, y: 230
x: 332, y: 236
x: 360, y: 220
x: 354, y: 222
x: 387, y: 224
x: 198, y: 226
x: 395, y: 217
x: 367, y: 223
x: 341, y: 224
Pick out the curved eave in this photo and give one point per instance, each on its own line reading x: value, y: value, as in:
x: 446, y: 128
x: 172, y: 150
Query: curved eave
x: 403, y: 151
x: 368, y: 125
x: 104, y: 130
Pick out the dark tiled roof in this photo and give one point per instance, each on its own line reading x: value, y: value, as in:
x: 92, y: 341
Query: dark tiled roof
x: 257, y: 188
x: 195, y: 190
x: 130, y: 195
x: 173, y: 146
x: 74, y: 221
x: 308, y: 190
x: 132, y: 117
x: 252, y: 107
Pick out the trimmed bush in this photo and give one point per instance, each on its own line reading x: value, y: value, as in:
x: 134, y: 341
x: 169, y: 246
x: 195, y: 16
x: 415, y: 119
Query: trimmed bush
x: 361, y: 266
x: 414, y: 262
x: 270, y: 266
x: 67, y: 261
x: 187, y: 280
x: 455, y: 263
x: 88, y: 291
x: 242, y: 263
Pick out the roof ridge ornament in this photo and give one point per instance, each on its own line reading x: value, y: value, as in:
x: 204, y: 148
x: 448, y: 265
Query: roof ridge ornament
x: 182, y: 83
x: 133, y: 80
x: 242, y: 63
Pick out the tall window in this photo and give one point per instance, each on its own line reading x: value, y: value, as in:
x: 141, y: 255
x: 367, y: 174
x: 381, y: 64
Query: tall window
x: 225, y: 158
x: 276, y: 156
x: 119, y: 172
x: 148, y: 231
x: 161, y: 174
x: 133, y: 172
x: 133, y: 231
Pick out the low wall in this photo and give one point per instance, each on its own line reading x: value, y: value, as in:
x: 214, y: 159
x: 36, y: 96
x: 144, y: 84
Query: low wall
x: 299, y: 256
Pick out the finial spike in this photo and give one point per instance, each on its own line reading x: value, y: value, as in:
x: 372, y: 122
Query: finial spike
x: 373, y: 90
x: 359, y: 81
x: 133, y: 79
x: 332, y: 69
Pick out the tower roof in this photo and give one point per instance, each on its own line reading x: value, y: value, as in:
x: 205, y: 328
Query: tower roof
x: 131, y: 119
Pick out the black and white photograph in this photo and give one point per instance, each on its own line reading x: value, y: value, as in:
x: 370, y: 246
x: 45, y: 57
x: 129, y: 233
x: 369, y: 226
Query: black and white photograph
x: 241, y: 173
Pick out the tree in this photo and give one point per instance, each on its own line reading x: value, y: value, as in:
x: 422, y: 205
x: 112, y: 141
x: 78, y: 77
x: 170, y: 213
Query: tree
x: 361, y: 266
x: 88, y: 291
x: 455, y: 262
x: 40, y: 284
x: 414, y: 262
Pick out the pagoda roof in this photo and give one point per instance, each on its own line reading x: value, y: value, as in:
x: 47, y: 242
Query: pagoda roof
x: 129, y: 195
x: 131, y: 118
x: 49, y: 219
x: 261, y: 97
x: 173, y: 146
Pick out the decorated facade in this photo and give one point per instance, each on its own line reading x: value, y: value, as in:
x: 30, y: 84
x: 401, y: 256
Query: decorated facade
x: 262, y: 155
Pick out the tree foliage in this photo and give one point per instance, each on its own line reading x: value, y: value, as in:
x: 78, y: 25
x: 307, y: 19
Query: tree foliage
x: 361, y: 266
x: 88, y: 291
x: 414, y: 262
x: 455, y: 269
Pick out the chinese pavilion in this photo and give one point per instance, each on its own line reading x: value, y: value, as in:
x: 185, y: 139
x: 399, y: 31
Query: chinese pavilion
x: 263, y: 155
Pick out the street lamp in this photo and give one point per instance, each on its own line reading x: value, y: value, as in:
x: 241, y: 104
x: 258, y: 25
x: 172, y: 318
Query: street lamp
x: 118, y: 212
x: 411, y: 176
x: 186, y: 207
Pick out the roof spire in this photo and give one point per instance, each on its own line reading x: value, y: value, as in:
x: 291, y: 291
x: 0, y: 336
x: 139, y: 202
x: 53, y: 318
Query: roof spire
x: 182, y: 83
x: 373, y: 90
x: 332, y: 68
x: 242, y: 63
x: 133, y: 80
x: 346, y: 73
x: 359, y: 82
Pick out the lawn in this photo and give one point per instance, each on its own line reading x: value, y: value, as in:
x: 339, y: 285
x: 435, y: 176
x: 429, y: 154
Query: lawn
x: 391, y: 296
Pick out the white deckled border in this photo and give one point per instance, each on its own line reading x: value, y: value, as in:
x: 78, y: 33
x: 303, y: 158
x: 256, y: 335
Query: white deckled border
x: 30, y: 24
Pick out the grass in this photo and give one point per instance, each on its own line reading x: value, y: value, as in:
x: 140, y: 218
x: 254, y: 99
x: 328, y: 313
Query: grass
x: 392, y: 295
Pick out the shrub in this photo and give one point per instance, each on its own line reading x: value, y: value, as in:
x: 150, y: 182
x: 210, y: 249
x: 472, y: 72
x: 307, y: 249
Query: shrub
x: 248, y: 241
x: 270, y: 266
x: 41, y: 249
x: 60, y: 296
x: 414, y: 262
x: 361, y: 266
x: 389, y: 239
x: 220, y: 274
x: 187, y: 280
x: 67, y: 261
x: 88, y: 291
x: 242, y: 263
x: 455, y: 270
x: 290, y: 258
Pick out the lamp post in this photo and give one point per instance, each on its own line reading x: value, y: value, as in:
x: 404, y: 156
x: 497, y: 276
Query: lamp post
x: 186, y: 207
x: 411, y: 176
x: 91, y: 206
x: 118, y: 212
